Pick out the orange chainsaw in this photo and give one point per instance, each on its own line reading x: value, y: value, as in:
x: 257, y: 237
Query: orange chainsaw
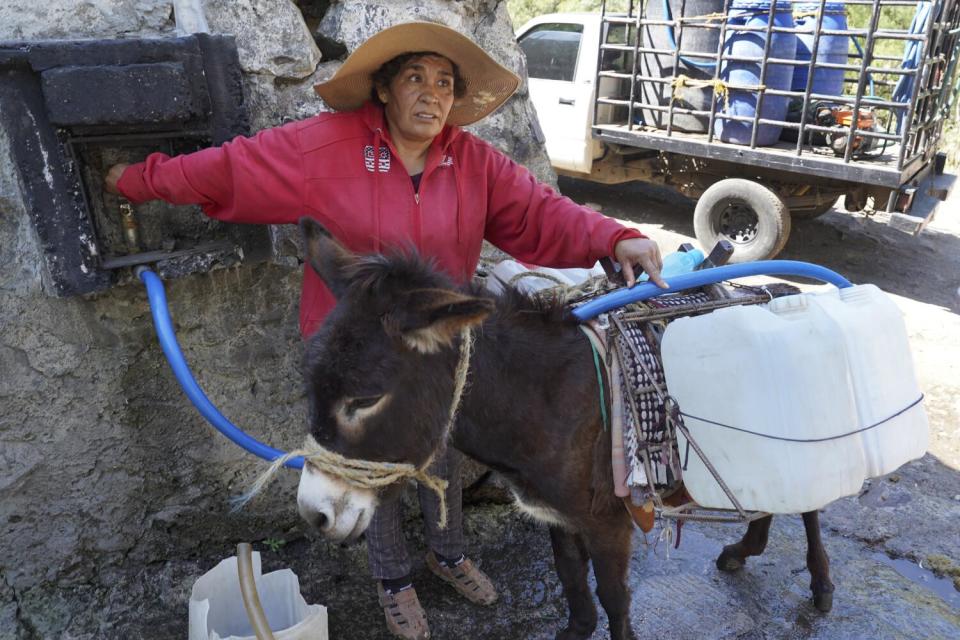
x: 841, y: 118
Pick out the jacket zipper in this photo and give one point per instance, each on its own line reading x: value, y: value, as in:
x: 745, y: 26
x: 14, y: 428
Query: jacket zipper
x: 417, y: 215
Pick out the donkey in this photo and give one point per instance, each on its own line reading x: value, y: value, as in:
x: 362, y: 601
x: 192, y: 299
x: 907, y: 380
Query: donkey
x: 380, y: 382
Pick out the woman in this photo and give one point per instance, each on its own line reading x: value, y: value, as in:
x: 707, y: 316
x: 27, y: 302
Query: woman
x: 392, y: 168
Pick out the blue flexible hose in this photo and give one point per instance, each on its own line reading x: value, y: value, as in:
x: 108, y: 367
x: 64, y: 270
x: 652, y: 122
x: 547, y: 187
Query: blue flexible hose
x: 639, y: 292
x: 912, y: 59
x: 171, y: 348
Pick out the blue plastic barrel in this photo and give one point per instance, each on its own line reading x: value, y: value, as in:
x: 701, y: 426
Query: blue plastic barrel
x: 694, y: 39
x: 832, y: 49
x: 751, y: 45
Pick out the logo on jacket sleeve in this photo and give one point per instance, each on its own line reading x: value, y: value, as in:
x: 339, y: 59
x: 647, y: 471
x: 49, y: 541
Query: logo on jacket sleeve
x: 368, y: 157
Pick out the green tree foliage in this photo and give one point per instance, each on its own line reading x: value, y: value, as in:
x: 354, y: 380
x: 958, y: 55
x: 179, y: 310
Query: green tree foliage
x: 523, y: 10
x: 896, y: 18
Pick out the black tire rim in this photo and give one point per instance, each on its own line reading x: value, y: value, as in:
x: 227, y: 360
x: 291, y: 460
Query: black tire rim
x: 738, y: 223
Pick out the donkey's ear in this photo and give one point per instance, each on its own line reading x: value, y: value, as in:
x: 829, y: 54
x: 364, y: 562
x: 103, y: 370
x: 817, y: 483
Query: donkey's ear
x: 432, y: 318
x: 327, y: 256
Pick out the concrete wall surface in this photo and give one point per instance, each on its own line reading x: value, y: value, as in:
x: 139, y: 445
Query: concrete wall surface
x: 104, y: 464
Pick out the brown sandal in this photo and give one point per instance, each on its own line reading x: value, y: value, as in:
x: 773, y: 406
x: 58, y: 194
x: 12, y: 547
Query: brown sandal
x: 469, y: 581
x: 405, y: 617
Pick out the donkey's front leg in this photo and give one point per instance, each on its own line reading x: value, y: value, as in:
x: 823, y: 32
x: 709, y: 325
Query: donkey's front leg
x: 570, y: 557
x: 610, y: 554
x: 818, y: 564
x: 753, y: 543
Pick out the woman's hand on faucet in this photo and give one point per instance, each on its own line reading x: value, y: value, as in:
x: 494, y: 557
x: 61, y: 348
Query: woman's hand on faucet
x: 113, y: 177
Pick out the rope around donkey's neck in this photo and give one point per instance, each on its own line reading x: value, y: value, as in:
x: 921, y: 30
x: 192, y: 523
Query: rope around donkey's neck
x: 367, y: 474
x: 359, y: 474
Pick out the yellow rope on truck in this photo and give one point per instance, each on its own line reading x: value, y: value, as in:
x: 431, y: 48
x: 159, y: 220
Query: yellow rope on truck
x: 719, y: 88
x: 709, y: 17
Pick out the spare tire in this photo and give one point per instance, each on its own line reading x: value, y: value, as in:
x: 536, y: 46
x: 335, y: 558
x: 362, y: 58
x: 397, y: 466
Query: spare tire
x: 754, y: 219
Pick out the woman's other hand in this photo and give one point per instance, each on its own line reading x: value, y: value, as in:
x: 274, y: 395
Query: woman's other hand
x: 643, y: 252
x: 113, y: 177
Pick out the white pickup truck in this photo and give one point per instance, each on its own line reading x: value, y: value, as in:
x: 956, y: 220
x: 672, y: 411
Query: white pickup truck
x: 561, y: 51
x: 593, y: 122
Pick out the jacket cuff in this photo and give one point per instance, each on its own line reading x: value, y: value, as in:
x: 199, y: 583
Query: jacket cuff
x: 625, y: 233
x: 132, y: 185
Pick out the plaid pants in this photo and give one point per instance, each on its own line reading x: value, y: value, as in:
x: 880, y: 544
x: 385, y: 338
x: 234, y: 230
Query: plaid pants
x: 386, y: 545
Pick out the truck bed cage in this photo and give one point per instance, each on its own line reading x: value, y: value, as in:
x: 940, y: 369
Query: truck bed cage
x: 897, y: 104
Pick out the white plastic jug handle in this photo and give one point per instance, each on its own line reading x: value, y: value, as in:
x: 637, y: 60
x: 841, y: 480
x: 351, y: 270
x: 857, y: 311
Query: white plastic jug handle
x: 248, y: 589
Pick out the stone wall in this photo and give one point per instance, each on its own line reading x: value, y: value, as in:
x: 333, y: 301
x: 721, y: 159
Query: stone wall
x: 104, y: 464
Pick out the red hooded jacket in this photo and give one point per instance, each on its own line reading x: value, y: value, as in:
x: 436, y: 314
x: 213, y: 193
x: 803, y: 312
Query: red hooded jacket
x: 342, y: 169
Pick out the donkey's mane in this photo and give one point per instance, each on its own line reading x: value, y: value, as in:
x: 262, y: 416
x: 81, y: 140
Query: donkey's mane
x: 516, y: 305
x: 379, y: 274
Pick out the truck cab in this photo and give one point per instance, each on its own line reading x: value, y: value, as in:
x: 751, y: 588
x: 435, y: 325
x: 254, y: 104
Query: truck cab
x: 561, y: 52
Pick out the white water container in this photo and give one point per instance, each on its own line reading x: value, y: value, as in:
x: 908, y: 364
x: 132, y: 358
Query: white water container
x: 810, y: 367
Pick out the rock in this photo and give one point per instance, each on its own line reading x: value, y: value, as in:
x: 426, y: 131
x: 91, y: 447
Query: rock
x: 8, y: 606
x: 905, y: 520
x: 271, y: 103
x: 272, y: 37
x: 58, y: 19
x: 18, y: 277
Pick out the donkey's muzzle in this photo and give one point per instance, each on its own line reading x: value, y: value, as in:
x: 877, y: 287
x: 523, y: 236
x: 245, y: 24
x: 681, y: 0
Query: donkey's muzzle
x: 337, y: 510
x: 316, y: 519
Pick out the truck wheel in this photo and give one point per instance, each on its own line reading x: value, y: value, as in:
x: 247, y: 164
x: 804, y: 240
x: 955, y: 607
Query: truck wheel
x: 809, y: 213
x: 749, y: 215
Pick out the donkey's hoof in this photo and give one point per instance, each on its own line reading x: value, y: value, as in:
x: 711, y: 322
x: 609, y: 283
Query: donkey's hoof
x: 729, y: 562
x: 823, y: 601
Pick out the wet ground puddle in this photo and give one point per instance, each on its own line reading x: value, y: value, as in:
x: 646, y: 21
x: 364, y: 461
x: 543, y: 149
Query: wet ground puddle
x: 942, y: 587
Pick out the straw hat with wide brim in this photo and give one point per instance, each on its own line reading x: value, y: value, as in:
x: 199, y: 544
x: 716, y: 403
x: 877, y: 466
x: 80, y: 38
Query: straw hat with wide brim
x: 488, y: 83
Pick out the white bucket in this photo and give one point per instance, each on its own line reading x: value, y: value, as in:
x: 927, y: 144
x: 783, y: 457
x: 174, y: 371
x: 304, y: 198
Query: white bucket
x: 809, y: 367
x: 217, y: 610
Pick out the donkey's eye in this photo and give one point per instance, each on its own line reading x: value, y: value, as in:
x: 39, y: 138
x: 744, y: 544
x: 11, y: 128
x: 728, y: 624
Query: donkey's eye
x: 352, y: 412
x: 363, y: 402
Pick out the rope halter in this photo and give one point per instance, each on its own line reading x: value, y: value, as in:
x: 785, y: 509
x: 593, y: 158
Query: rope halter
x: 367, y: 474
